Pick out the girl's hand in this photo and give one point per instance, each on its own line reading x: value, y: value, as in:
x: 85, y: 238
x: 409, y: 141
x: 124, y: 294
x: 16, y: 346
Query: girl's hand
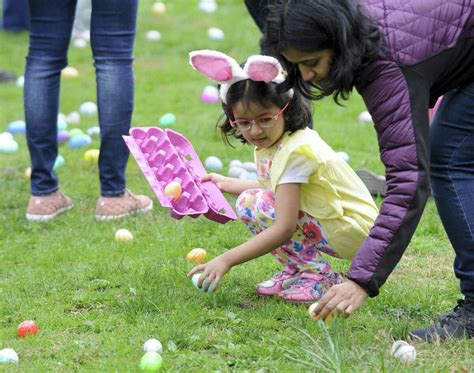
x: 220, y: 180
x: 345, y: 298
x: 212, y: 272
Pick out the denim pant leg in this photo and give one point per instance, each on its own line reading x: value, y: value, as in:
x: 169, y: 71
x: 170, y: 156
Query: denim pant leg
x: 113, y: 26
x: 452, y: 177
x: 51, y: 25
x: 16, y: 16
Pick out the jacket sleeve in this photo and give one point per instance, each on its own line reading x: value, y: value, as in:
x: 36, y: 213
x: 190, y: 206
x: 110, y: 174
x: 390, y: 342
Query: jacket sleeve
x: 398, y: 100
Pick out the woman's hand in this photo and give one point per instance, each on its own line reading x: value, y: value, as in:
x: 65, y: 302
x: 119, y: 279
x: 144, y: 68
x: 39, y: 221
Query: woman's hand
x: 345, y: 298
x: 212, y: 272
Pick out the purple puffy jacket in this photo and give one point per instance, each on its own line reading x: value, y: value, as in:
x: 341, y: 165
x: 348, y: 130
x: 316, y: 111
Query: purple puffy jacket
x: 429, y: 50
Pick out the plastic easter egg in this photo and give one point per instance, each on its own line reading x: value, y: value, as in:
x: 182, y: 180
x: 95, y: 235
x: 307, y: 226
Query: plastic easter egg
x: 167, y: 120
x: 196, y: 256
x: 69, y: 72
x: 91, y: 156
x: 27, y: 328
x: 244, y: 175
x: 61, y: 125
x: 6, y: 136
x: 17, y: 127
x: 61, y: 117
x: 153, y: 35
x: 151, y: 362
x: 207, y: 6
x: 404, y: 351
x: 80, y: 43
x: 173, y: 189
x: 73, y: 117
x: 365, y: 117
x: 95, y: 130
x: 210, y: 95
x: 235, y: 171
x: 63, y: 136
x: 344, y: 156
x: 213, y: 163
x: 251, y: 176
x: 235, y: 162
x: 8, y: 355
x: 59, y: 162
x: 20, y: 82
x: 158, y: 8
x: 123, y: 235
x: 8, y: 146
x: 215, y: 33
x: 249, y: 166
x: 311, y: 309
x: 195, y: 280
x: 88, y: 108
x: 153, y: 345
x: 27, y: 173
x: 79, y: 141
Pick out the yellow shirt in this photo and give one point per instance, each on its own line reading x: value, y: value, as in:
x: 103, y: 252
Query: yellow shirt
x: 334, y: 194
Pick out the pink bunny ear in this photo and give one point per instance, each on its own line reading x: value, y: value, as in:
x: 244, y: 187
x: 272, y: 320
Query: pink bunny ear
x: 263, y: 68
x: 213, y: 64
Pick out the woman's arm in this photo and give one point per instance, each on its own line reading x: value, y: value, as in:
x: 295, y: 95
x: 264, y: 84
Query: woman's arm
x: 231, y: 184
x: 287, y: 205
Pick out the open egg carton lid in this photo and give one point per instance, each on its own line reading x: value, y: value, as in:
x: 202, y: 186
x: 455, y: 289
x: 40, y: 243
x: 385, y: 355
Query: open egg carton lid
x: 164, y: 156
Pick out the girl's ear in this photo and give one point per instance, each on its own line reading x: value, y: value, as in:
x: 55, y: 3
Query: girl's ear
x: 263, y: 69
x: 215, y: 65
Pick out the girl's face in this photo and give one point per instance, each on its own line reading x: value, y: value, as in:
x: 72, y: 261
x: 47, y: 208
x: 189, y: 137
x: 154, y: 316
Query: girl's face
x: 313, y: 66
x: 260, y: 125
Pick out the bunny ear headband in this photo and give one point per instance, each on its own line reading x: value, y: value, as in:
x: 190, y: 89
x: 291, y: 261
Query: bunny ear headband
x: 225, y: 71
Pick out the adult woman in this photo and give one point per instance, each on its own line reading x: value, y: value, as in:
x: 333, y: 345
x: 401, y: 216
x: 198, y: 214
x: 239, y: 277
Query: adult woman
x: 113, y: 26
x: 401, y: 56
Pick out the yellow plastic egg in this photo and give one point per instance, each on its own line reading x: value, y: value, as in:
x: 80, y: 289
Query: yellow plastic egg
x: 173, y: 189
x: 123, y: 235
x: 69, y: 72
x: 92, y: 156
x: 311, y: 309
x: 196, y: 256
x: 28, y: 173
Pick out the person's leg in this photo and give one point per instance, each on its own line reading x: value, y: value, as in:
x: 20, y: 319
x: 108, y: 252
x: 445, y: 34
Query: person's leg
x: 300, y: 255
x: 452, y: 184
x: 16, y: 15
x: 112, y: 36
x: 249, y: 207
x: 51, y: 24
x: 113, y: 26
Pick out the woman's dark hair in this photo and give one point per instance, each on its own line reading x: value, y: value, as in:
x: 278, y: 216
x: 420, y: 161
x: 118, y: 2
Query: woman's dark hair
x: 314, y: 25
x: 297, y: 115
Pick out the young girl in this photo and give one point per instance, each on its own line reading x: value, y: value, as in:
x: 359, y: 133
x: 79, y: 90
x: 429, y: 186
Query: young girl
x: 306, y: 201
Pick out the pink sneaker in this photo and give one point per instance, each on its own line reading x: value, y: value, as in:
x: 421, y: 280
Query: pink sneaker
x: 111, y: 208
x: 310, y: 287
x: 279, y: 282
x: 44, y: 208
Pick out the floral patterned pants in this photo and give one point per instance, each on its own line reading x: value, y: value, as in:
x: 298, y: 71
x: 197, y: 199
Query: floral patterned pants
x: 256, y: 208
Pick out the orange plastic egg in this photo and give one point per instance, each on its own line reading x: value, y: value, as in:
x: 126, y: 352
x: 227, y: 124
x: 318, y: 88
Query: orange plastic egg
x: 173, y: 189
x: 196, y: 256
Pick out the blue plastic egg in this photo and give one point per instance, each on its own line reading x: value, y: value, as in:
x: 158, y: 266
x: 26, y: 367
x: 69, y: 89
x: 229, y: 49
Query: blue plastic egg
x: 17, y: 127
x: 79, y: 141
x: 195, y: 280
x: 59, y: 162
x: 213, y: 163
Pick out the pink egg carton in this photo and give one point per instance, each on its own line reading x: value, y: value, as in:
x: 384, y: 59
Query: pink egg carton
x: 163, y: 156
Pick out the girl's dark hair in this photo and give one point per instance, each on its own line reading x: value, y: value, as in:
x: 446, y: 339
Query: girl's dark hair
x: 297, y: 115
x: 313, y: 25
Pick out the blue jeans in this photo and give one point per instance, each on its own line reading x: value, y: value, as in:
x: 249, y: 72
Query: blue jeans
x: 113, y: 26
x: 452, y: 177
x: 15, y: 15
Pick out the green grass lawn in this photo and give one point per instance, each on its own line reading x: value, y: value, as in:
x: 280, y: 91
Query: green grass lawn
x: 96, y: 301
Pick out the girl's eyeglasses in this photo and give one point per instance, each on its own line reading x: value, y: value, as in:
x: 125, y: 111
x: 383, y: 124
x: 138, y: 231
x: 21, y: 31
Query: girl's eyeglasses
x: 265, y: 121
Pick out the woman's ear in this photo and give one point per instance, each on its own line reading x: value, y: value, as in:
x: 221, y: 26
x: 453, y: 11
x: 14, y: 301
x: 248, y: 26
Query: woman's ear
x: 215, y: 65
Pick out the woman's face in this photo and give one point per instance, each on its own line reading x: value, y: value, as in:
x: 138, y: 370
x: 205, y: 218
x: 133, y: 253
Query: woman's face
x: 314, y: 66
x: 267, y: 123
